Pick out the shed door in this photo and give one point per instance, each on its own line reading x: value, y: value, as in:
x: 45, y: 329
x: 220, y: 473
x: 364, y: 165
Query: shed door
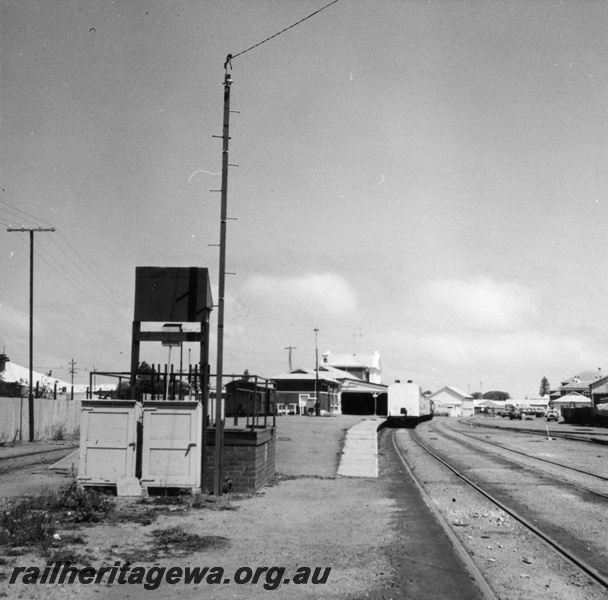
x: 172, y: 440
x: 107, y: 441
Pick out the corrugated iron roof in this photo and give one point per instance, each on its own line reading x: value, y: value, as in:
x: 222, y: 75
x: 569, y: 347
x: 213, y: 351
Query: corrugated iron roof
x: 14, y: 373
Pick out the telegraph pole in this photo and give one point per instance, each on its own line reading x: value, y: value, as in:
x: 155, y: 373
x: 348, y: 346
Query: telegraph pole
x: 219, y: 423
x: 290, y: 348
x: 30, y: 398
x: 317, y: 403
x: 72, y: 370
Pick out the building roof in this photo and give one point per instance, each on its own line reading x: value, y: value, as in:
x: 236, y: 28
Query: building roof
x: 582, y: 379
x: 492, y: 404
x: 14, y: 373
x: 368, y: 361
x: 454, y: 390
x: 337, y: 373
x: 599, y: 382
x: 304, y: 374
x: 357, y: 386
x: 573, y: 397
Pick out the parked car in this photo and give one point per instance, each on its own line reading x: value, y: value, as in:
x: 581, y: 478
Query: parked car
x: 552, y: 415
x: 515, y: 414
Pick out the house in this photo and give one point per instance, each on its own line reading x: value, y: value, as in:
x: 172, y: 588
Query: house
x: 365, y: 367
x: 358, y: 397
x: 452, y: 402
x: 571, y: 400
x: 579, y: 383
x: 489, y: 407
x: 17, y: 378
x: 296, y: 391
x: 599, y: 391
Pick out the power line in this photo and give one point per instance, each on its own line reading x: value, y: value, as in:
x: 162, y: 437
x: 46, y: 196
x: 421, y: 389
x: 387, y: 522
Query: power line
x: 31, y: 218
x: 79, y: 286
x: 31, y: 393
x: 113, y: 297
x: 105, y: 288
x: 231, y: 56
x: 122, y: 302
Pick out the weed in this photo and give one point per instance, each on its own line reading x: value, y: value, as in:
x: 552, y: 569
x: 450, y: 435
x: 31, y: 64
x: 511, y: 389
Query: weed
x: 197, y: 500
x: 25, y: 522
x: 133, y: 556
x: 168, y: 500
x: 59, y: 432
x: 86, y: 505
x: 75, y: 539
x: 177, y: 541
x: 67, y: 555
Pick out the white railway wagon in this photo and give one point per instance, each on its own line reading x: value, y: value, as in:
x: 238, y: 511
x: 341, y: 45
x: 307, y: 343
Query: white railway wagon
x: 406, y: 405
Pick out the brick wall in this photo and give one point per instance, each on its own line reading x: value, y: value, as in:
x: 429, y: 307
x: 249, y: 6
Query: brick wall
x: 249, y: 459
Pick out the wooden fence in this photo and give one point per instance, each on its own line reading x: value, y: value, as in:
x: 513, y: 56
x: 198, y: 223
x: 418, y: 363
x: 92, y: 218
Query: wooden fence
x: 53, y: 419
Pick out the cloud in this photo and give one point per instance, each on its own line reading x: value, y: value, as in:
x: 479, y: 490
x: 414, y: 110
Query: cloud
x: 477, y: 305
x: 510, y: 360
x: 461, y: 332
x: 311, y: 292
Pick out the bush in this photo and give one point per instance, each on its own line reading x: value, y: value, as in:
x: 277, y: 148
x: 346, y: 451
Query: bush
x: 86, y: 505
x: 59, y: 432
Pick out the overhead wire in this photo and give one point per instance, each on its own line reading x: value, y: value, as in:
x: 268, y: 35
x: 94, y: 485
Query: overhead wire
x: 79, y: 285
x: 282, y: 31
x: 29, y: 217
x: 100, y: 285
x: 38, y: 247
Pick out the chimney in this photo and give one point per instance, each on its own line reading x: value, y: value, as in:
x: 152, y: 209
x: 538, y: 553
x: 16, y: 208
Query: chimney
x: 3, y: 360
x: 326, y: 356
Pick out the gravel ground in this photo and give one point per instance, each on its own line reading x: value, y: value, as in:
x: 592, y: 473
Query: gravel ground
x: 515, y: 563
x: 309, y: 519
x: 359, y: 527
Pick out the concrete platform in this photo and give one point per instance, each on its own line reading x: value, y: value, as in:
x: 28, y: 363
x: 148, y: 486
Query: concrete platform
x: 360, y: 453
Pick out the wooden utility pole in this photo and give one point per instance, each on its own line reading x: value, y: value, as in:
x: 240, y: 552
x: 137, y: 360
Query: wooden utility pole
x: 72, y: 371
x: 317, y: 403
x: 30, y: 398
x: 290, y: 348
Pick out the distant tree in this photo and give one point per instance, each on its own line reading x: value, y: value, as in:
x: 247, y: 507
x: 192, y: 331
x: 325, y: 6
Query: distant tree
x: 545, y: 388
x: 477, y: 395
x: 146, y: 381
x: 246, y: 375
x: 497, y: 395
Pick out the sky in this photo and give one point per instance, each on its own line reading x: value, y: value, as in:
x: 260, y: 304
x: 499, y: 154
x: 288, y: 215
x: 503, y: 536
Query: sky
x: 423, y: 179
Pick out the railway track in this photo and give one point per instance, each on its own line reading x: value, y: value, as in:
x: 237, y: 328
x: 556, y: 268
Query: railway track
x: 442, y: 428
x: 516, y: 499
x: 578, y: 434
x: 19, y: 461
